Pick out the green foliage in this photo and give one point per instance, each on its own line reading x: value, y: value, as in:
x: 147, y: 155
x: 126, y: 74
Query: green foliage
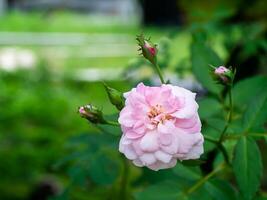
x: 220, y: 190
x: 254, y: 85
x: 247, y: 166
x: 255, y: 114
x: 209, y: 107
x: 104, y: 168
x: 190, y: 173
x: 201, y: 57
x: 37, y: 117
x: 161, y: 191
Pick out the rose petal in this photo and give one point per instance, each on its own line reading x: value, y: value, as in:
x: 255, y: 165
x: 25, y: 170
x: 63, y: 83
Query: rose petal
x: 148, y: 159
x: 149, y: 142
x: 163, y: 157
x: 160, y: 165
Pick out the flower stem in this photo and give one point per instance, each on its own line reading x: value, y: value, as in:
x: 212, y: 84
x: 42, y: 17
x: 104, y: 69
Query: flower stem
x: 220, y: 147
x: 229, y: 116
x: 159, y: 72
x: 258, y: 134
x: 205, y: 178
x: 237, y: 136
x: 224, y: 153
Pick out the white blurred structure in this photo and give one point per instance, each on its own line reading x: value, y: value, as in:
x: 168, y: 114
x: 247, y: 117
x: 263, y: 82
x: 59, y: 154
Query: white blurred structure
x: 15, y: 58
x: 125, y: 10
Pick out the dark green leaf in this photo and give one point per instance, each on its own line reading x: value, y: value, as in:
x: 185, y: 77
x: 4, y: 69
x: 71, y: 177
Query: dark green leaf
x: 162, y: 191
x: 212, y: 128
x: 235, y: 127
x: 190, y: 173
x: 93, y: 141
x: 78, y: 175
x: 209, y: 107
x: 202, y: 56
x: 246, y: 90
x: 215, y: 124
x: 220, y: 190
x: 247, y: 166
x: 255, y: 114
x: 104, y: 168
x: 200, y: 194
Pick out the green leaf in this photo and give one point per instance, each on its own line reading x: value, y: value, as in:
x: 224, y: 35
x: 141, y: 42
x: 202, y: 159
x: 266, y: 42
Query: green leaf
x: 162, y: 191
x: 78, y: 175
x: 200, y: 194
x: 212, y: 128
x: 255, y: 114
x: 220, y: 190
x: 190, y: 173
x: 104, y: 168
x: 209, y: 107
x: 246, y: 90
x: 202, y: 56
x: 247, y: 166
x: 217, y: 124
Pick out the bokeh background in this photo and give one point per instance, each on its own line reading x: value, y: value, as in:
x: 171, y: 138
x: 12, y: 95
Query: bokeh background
x: 54, y: 55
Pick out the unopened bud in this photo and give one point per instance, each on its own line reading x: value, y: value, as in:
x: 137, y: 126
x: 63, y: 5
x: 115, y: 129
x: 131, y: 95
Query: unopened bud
x: 115, y: 97
x: 92, y: 114
x: 147, y: 48
x: 223, y: 75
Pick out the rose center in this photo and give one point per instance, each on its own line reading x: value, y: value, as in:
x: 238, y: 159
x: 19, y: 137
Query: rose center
x: 157, y: 115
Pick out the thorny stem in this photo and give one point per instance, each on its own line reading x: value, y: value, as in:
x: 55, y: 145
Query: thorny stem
x: 205, y: 178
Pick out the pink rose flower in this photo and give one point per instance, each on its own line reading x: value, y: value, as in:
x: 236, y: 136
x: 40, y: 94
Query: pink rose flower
x: 160, y: 125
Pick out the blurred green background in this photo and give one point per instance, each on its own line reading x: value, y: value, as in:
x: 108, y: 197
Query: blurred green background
x: 53, y: 58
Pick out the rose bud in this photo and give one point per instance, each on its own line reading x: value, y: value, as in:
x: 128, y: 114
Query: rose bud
x: 223, y: 75
x: 92, y: 114
x: 160, y: 125
x: 115, y: 97
x: 148, y: 49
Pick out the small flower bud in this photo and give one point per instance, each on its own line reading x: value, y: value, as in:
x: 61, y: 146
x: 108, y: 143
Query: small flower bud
x: 92, y: 114
x: 223, y: 75
x: 147, y: 48
x: 115, y: 97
